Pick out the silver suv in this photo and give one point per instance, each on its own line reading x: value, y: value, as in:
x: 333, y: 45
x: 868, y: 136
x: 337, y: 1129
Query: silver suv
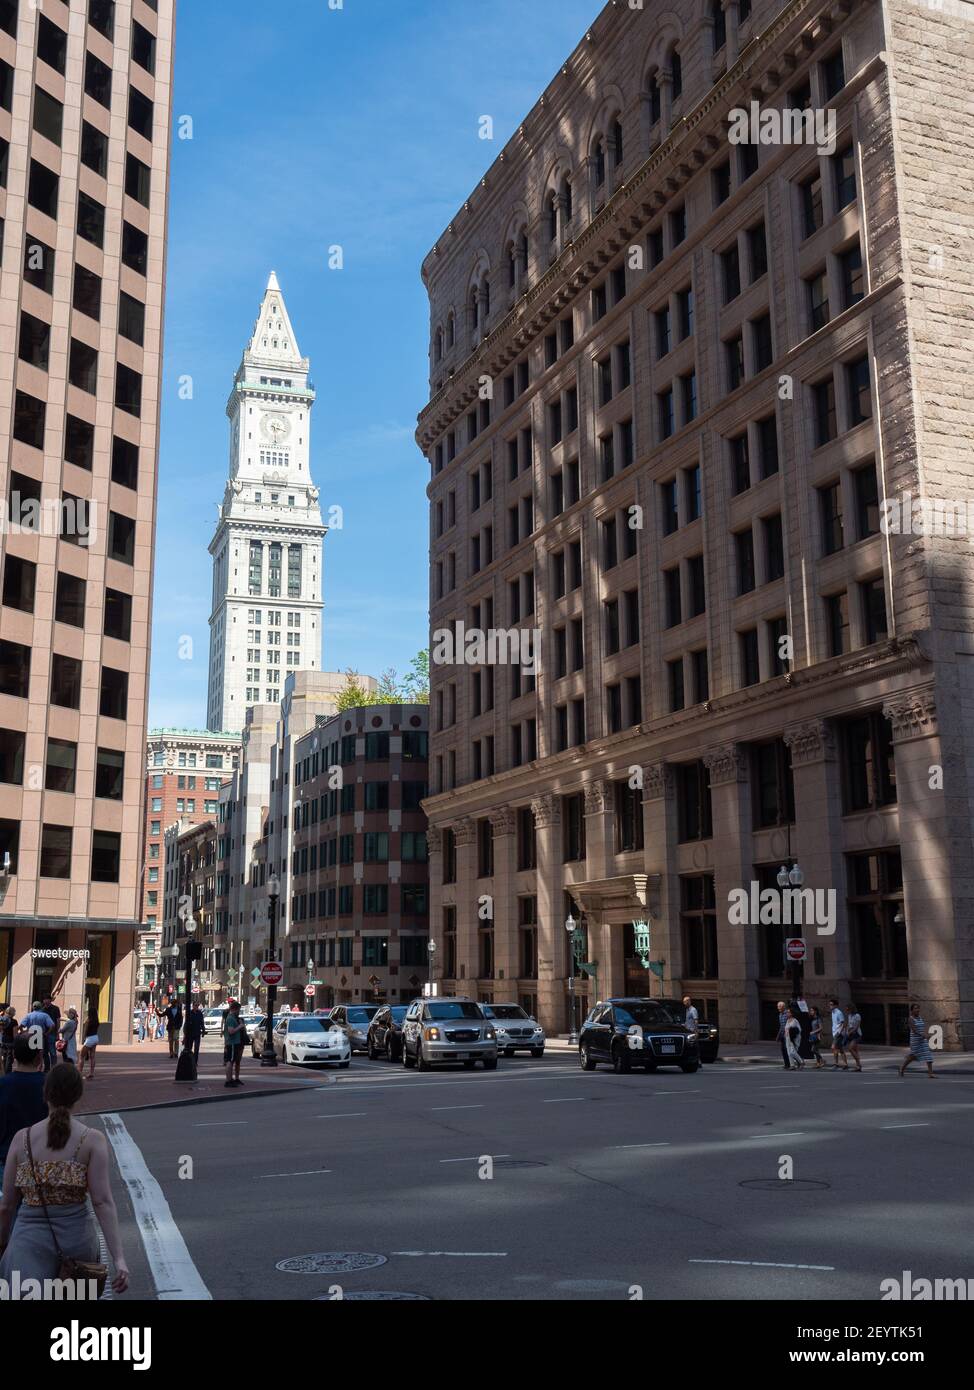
x: 445, y: 1029
x: 516, y: 1030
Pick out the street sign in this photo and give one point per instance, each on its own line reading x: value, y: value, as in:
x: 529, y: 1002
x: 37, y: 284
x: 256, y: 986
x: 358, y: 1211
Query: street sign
x: 255, y: 974
x: 309, y: 992
x: 272, y: 972
x: 795, y: 949
x: 316, y: 982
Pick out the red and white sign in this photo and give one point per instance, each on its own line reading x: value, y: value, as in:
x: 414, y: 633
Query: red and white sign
x: 309, y: 991
x: 795, y: 948
x: 271, y: 972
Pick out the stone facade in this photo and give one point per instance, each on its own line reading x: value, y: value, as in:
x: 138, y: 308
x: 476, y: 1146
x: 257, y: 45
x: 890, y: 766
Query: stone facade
x: 740, y: 667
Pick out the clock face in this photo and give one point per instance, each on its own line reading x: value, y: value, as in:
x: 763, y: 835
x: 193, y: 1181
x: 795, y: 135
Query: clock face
x: 275, y: 428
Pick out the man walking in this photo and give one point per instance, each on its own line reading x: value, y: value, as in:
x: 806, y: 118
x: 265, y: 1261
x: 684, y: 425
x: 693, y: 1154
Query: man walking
x: 195, y: 1028
x: 50, y: 1042
x: 692, y: 1017
x: 838, y: 1035
x: 38, y: 1027
x: 234, y: 1037
x: 781, y: 1038
x: 21, y: 1093
x: 174, y: 1022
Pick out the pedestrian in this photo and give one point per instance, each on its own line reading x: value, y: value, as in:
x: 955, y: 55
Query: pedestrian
x: 853, y: 1023
x: 234, y: 1038
x: 140, y: 1018
x: 781, y: 1039
x: 89, y: 1044
x: 815, y: 1037
x: 55, y: 1166
x: 160, y: 1025
x: 793, y: 1037
x: 838, y: 1036
x: 919, y: 1049
x: 692, y: 1018
x: 21, y: 1093
x: 39, y: 1026
x: 8, y: 1034
x: 195, y: 1028
x: 174, y: 1022
x: 68, y: 1044
x: 50, y: 1041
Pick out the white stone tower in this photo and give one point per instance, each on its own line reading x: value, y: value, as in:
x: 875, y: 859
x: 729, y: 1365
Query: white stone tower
x: 266, y: 615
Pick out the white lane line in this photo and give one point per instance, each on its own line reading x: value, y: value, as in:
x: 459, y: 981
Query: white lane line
x: 778, y: 1088
x: 782, y: 1134
x: 924, y: 1124
x: 474, y: 1158
x: 458, y: 1254
x: 642, y: 1146
x: 343, y: 1115
x: 763, y: 1264
x: 174, y: 1274
x: 214, y: 1124
x: 563, y: 1100
x: 456, y: 1107
x: 305, y: 1173
x: 689, y: 1091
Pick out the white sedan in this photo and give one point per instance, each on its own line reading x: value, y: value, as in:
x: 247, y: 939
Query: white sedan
x: 306, y: 1039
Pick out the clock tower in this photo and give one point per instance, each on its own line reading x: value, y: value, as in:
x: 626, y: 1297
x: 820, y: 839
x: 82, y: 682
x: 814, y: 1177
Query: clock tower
x: 266, y: 612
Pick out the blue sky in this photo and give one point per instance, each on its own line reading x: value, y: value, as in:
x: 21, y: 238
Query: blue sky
x: 313, y: 127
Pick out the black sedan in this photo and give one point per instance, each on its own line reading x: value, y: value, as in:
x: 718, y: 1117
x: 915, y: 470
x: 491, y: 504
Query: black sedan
x: 631, y: 1033
x: 384, y: 1038
x: 708, y: 1034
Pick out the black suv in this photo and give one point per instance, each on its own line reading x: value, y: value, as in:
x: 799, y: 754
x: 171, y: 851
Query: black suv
x: 384, y: 1038
x: 636, y: 1033
x: 708, y: 1034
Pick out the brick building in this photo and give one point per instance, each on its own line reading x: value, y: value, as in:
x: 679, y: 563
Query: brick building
x: 675, y: 377
x: 85, y: 115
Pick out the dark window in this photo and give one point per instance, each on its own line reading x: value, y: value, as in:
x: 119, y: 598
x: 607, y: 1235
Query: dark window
x: 694, y: 814
x: 830, y: 512
x: 867, y: 501
x: 734, y: 350
x: 42, y: 189
x: 69, y: 603
x: 876, y: 920
x: 757, y: 243
x: 740, y: 462
x: 772, y: 785
x: 65, y: 681
x: 875, y: 625
x: 87, y: 292
x: 55, y: 851
x: 869, y: 772
x: 698, y: 927
x: 24, y: 501
x: 83, y: 366
x: 817, y: 290
x: 48, y: 115
x: 8, y: 16
x: 747, y: 155
x: 674, y: 676
x: 744, y: 555
x: 52, y: 44
x: 109, y: 774
x: 128, y: 390
x: 140, y: 113
x: 29, y: 415
x: 91, y: 220
x: 573, y: 824
x: 143, y: 47
x: 39, y: 265
x: 696, y: 586
x: 857, y: 385
x: 11, y: 756
x: 833, y: 74
x: 9, y: 843
x: 811, y: 196
x: 684, y: 313
x: 837, y: 621
x: 721, y: 178
x: 118, y: 615
x: 135, y: 248
x: 113, y: 701
x: 35, y: 341
x: 730, y: 271
x: 94, y: 148
x: 19, y: 580
x: 629, y: 818
x: 850, y: 271
x: 768, y: 446
x: 844, y: 169
x: 676, y: 68
x: 671, y: 592
x: 762, y: 342
x: 138, y: 178
x: 125, y: 463
x: 62, y: 763
x: 101, y: 16
x: 823, y: 400
x: 6, y: 86
x: 14, y: 669
x: 131, y: 318
x: 701, y: 676
x: 98, y: 80
x: 774, y: 548
x: 106, y: 851
x: 750, y: 659
x: 669, y: 507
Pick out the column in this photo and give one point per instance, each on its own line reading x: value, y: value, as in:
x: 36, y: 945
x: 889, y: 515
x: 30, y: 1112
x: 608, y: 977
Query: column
x: 552, y: 948
x: 434, y: 860
x: 660, y: 838
x: 468, y: 923
x: 504, y: 825
x: 599, y: 830
x: 737, y: 944
x: 733, y: 43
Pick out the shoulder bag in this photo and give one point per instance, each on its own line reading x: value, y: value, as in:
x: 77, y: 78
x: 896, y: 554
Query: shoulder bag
x: 68, y: 1266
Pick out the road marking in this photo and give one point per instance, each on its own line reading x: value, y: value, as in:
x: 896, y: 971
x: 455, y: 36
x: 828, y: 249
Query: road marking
x: 343, y: 1115
x: 784, y: 1134
x: 563, y: 1100
x: 642, y: 1146
x: 458, y: 1254
x: 213, y: 1124
x: 474, y: 1158
x: 305, y: 1173
x: 924, y: 1124
x: 763, y: 1264
x: 456, y: 1107
x: 688, y: 1092
x: 777, y: 1088
x: 173, y: 1272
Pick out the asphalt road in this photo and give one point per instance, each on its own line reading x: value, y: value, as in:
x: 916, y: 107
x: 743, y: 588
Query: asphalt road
x: 601, y: 1187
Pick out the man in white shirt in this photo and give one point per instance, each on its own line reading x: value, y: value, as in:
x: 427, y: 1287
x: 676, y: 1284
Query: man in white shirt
x: 692, y: 1017
x: 838, y: 1035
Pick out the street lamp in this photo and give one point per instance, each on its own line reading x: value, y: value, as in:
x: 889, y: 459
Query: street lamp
x: 268, y: 1058
x: 186, y: 1065
x: 570, y: 929
x: 431, y: 948
x: 309, y: 998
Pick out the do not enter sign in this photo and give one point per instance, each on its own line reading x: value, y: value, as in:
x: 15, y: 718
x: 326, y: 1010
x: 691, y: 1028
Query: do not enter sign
x: 309, y: 991
x: 271, y: 972
x: 795, y: 948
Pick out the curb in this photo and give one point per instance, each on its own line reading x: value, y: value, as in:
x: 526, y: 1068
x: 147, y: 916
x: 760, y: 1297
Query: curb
x: 201, y: 1100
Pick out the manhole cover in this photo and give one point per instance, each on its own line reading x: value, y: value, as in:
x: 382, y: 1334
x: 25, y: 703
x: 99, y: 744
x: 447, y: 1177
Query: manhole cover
x: 776, y: 1184
x: 519, y: 1163
x: 375, y: 1296
x: 330, y: 1262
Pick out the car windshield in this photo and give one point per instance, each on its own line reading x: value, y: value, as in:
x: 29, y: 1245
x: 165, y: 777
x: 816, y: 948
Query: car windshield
x: 309, y: 1025
x: 455, y: 1008
x: 646, y: 1015
x: 504, y: 1011
x: 362, y: 1016
x: 399, y: 1013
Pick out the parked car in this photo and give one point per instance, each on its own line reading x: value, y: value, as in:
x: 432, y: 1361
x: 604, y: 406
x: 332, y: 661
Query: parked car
x: 384, y: 1038
x: 354, y: 1020
x: 303, y: 1040
x: 516, y: 1030
x: 708, y: 1034
x: 448, y: 1030
x: 636, y: 1033
x: 257, y: 1033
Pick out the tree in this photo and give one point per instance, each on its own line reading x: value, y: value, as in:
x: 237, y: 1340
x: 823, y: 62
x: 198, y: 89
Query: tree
x: 418, y: 680
x: 353, y: 693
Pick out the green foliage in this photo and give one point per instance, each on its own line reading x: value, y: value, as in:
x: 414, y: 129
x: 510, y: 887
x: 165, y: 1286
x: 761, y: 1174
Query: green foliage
x: 411, y: 689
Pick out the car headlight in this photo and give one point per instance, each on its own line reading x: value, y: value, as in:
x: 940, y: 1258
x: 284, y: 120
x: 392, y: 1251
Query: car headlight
x: 431, y: 1034
x: 357, y: 1033
x: 539, y: 1029
x: 692, y: 1037
x: 489, y: 1033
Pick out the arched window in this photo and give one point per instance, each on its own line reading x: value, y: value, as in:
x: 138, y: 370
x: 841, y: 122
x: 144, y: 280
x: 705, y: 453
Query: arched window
x: 451, y: 331
x: 484, y: 299
x: 616, y: 143
x: 655, y: 98
x: 743, y: 10
x: 438, y: 350
x: 600, y: 163
x: 552, y: 217
x: 511, y: 265
x: 566, y: 198
x: 676, y: 68
x: 522, y: 251
x: 720, y: 24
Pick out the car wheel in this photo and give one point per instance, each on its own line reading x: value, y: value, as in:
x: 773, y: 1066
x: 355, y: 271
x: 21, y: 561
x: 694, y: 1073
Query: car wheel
x: 390, y: 1051
x: 537, y: 1052
x: 690, y: 1067
x: 490, y: 1064
x: 620, y: 1061
x: 345, y: 1065
x: 407, y: 1061
x: 371, y: 1051
x: 585, y: 1060
x: 421, y: 1061
x: 469, y: 1066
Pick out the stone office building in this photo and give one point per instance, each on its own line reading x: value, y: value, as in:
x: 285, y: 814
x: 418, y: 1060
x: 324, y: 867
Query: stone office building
x: 680, y: 385
x: 85, y: 116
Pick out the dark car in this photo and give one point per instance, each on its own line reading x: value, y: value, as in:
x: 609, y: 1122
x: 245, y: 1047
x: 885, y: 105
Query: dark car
x: 708, y: 1034
x: 354, y: 1020
x: 631, y: 1033
x: 384, y: 1038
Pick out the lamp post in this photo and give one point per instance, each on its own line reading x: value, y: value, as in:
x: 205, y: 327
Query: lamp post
x: 268, y: 1058
x: 186, y: 1064
x: 786, y: 880
x: 572, y: 1025
x: 309, y: 998
x: 431, y: 948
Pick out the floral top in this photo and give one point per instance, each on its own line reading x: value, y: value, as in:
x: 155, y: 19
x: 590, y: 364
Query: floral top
x: 65, y: 1180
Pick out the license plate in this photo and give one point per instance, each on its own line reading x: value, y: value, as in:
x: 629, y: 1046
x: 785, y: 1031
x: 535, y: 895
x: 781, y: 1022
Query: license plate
x: 667, y: 1047
x: 462, y: 1056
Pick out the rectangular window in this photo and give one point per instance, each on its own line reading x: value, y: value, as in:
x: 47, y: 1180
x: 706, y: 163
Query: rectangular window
x: 851, y: 276
x: 106, y: 852
x: 61, y: 768
x: 830, y: 513
x: 823, y: 404
x: 674, y: 680
x: 109, y: 774
x: 138, y: 180
x: 55, y: 851
x: 837, y: 623
x: 811, y: 204
x: 844, y: 172
x: 749, y: 657
x: 694, y: 815
x: 730, y: 270
x: 48, y: 115
x: 869, y: 772
x: 872, y: 594
x: 817, y: 296
x: 859, y: 395
x: 867, y: 501
x: 744, y: 556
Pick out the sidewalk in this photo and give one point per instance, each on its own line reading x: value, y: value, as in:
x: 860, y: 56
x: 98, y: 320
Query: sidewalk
x: 769, y: 1054
x: 131, y: 1076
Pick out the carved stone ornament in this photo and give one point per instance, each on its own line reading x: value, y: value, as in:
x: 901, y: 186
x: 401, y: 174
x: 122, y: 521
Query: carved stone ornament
x: 547, y: 811
x: 658, y: 781
x: 725, y: 764
x: 595, y: 798
x: 504, y: 821
x: 464, y: 832
x: 912, y: 716
x: 812, y: 742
